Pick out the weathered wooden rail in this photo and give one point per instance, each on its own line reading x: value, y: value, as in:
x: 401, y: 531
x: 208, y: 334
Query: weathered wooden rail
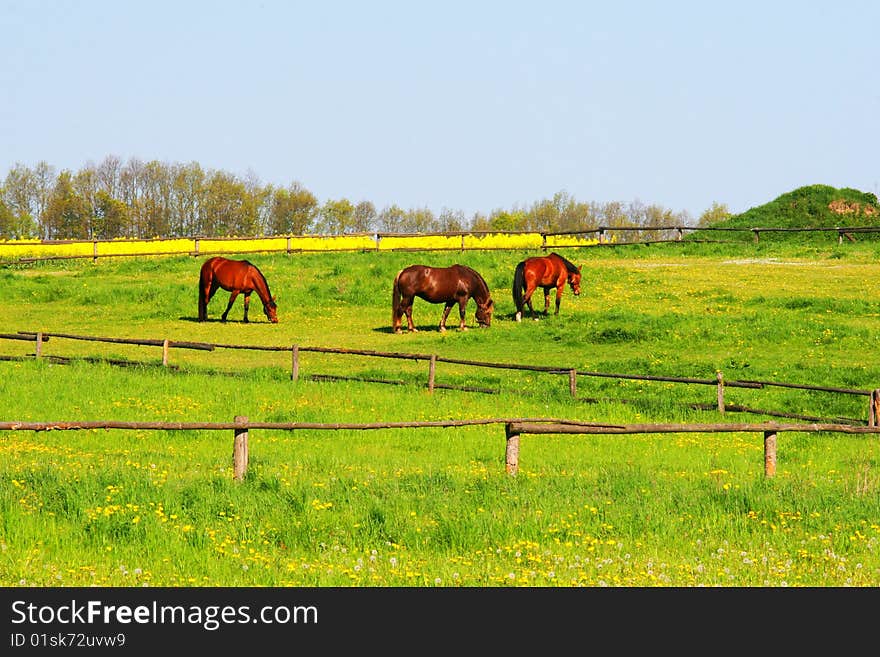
x: 769, y: 430
x: 196, y: 246
x: 514, y: 428
x: 873, y: 414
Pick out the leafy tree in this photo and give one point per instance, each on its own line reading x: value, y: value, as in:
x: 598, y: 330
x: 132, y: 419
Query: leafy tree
x: 450, y: 221
x: 19, y: 199
x: 110, y: 217
x: 132, y: 191
x: 419, y: 220
x: 364, y: 217
x: 292, y: 210
x: 479, y: 222
x: 7, y: 221
x: 228, y: 207
x: 68, y: 215
x: 108, y: 173
x: 188, y: 194
x: 391, y: 219
x: 337, y: 217
x: 156, y: 200
x: 716, y: 213
x: 504, y: 220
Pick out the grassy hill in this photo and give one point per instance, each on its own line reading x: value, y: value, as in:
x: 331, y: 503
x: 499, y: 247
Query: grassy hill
x: 813, y: 206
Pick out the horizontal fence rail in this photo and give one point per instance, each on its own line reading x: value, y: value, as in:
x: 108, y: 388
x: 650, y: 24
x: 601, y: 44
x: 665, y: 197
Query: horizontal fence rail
x: 873, y: 414
x: 513, y: 429
x: 202, y: 246
x: 769, y: 430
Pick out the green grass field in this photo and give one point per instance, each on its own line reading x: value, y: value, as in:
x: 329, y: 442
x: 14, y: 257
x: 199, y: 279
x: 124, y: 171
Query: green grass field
x: 435, y: 507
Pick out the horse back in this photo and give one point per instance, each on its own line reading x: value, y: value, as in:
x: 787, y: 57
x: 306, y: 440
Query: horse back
x: 544, y: 270
x: 436, y: 284
x: 231, y: 274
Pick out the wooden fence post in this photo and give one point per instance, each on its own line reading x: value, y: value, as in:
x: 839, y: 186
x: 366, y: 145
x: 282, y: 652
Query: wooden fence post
x: 572, y: 383
x: 240, y: 450
x: 769, y: 453
x: 511, y: 456
x: 288, y: 245
x: 462, y: 242
x: 294, y: 363
x: 720, y: 377
x: 432, y: 368
x: 197, y: 246
x: 94, y: 250
x: 755, y: 232
x: 38, y: 348
x: 874, y: 408
x: 165, y: 352
x: 543, y: 241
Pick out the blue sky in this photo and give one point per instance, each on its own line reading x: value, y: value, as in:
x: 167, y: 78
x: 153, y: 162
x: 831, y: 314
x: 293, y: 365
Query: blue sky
x: 469, y: 106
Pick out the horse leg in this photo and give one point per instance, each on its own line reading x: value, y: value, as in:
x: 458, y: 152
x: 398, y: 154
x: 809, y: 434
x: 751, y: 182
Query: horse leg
x: 462, y: 307
x: 559, y: 290
x: 206, y: 293
x: 203, y: 300
x: 232, y: 296
x: 528, y: 299
x: 247, y: 303
x: 446, y: 310
x: 547, y: 300
x: 407, y: 305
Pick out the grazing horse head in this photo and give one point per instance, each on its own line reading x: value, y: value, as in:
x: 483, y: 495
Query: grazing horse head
x: 484, y: 311
x: 574, y: 280
x: 271, y: 310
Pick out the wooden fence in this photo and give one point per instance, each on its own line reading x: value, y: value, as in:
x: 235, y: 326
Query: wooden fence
x: 604, y: 235
x: 514, y: 428
x: 571, y: 373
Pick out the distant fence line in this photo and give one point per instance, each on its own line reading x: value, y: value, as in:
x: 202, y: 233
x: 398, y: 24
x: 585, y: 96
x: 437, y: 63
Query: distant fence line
x: 387, y: 241
x: 873, y: 414
x: 514, y: 428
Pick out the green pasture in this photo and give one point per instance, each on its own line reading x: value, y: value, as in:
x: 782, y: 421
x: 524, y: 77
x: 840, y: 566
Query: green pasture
x: 431, y: 506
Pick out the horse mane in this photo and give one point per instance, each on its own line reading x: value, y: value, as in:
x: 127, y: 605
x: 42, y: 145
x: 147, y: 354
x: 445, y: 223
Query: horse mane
x: 571, y: 267
x: 265, y: 282
x: 480, y: 278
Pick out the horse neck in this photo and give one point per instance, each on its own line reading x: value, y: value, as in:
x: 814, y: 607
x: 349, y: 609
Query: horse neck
x: 481, y: 289
x: 261, y: 285
x: 565, y: 264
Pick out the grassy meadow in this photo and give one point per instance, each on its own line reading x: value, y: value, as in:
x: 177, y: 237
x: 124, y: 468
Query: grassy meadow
x: 435, y: 507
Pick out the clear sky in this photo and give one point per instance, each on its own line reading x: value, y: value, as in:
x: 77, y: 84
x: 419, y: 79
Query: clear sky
x: 470, y: 106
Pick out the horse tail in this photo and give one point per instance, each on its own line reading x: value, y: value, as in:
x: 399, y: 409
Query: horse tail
x: 204, y: 283
x: 395, y: 301
x: 519, y: 285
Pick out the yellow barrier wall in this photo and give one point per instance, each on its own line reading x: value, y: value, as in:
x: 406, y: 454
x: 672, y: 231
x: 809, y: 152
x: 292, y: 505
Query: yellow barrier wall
x: 11, y: 250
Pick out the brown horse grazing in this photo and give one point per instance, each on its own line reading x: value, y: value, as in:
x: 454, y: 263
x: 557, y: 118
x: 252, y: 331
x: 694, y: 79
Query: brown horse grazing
x: 235, y: 276
x: 449, y: 285
x: 545, y: 272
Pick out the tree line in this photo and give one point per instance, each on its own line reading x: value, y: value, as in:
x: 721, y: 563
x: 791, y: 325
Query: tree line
x: 137, y: 199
